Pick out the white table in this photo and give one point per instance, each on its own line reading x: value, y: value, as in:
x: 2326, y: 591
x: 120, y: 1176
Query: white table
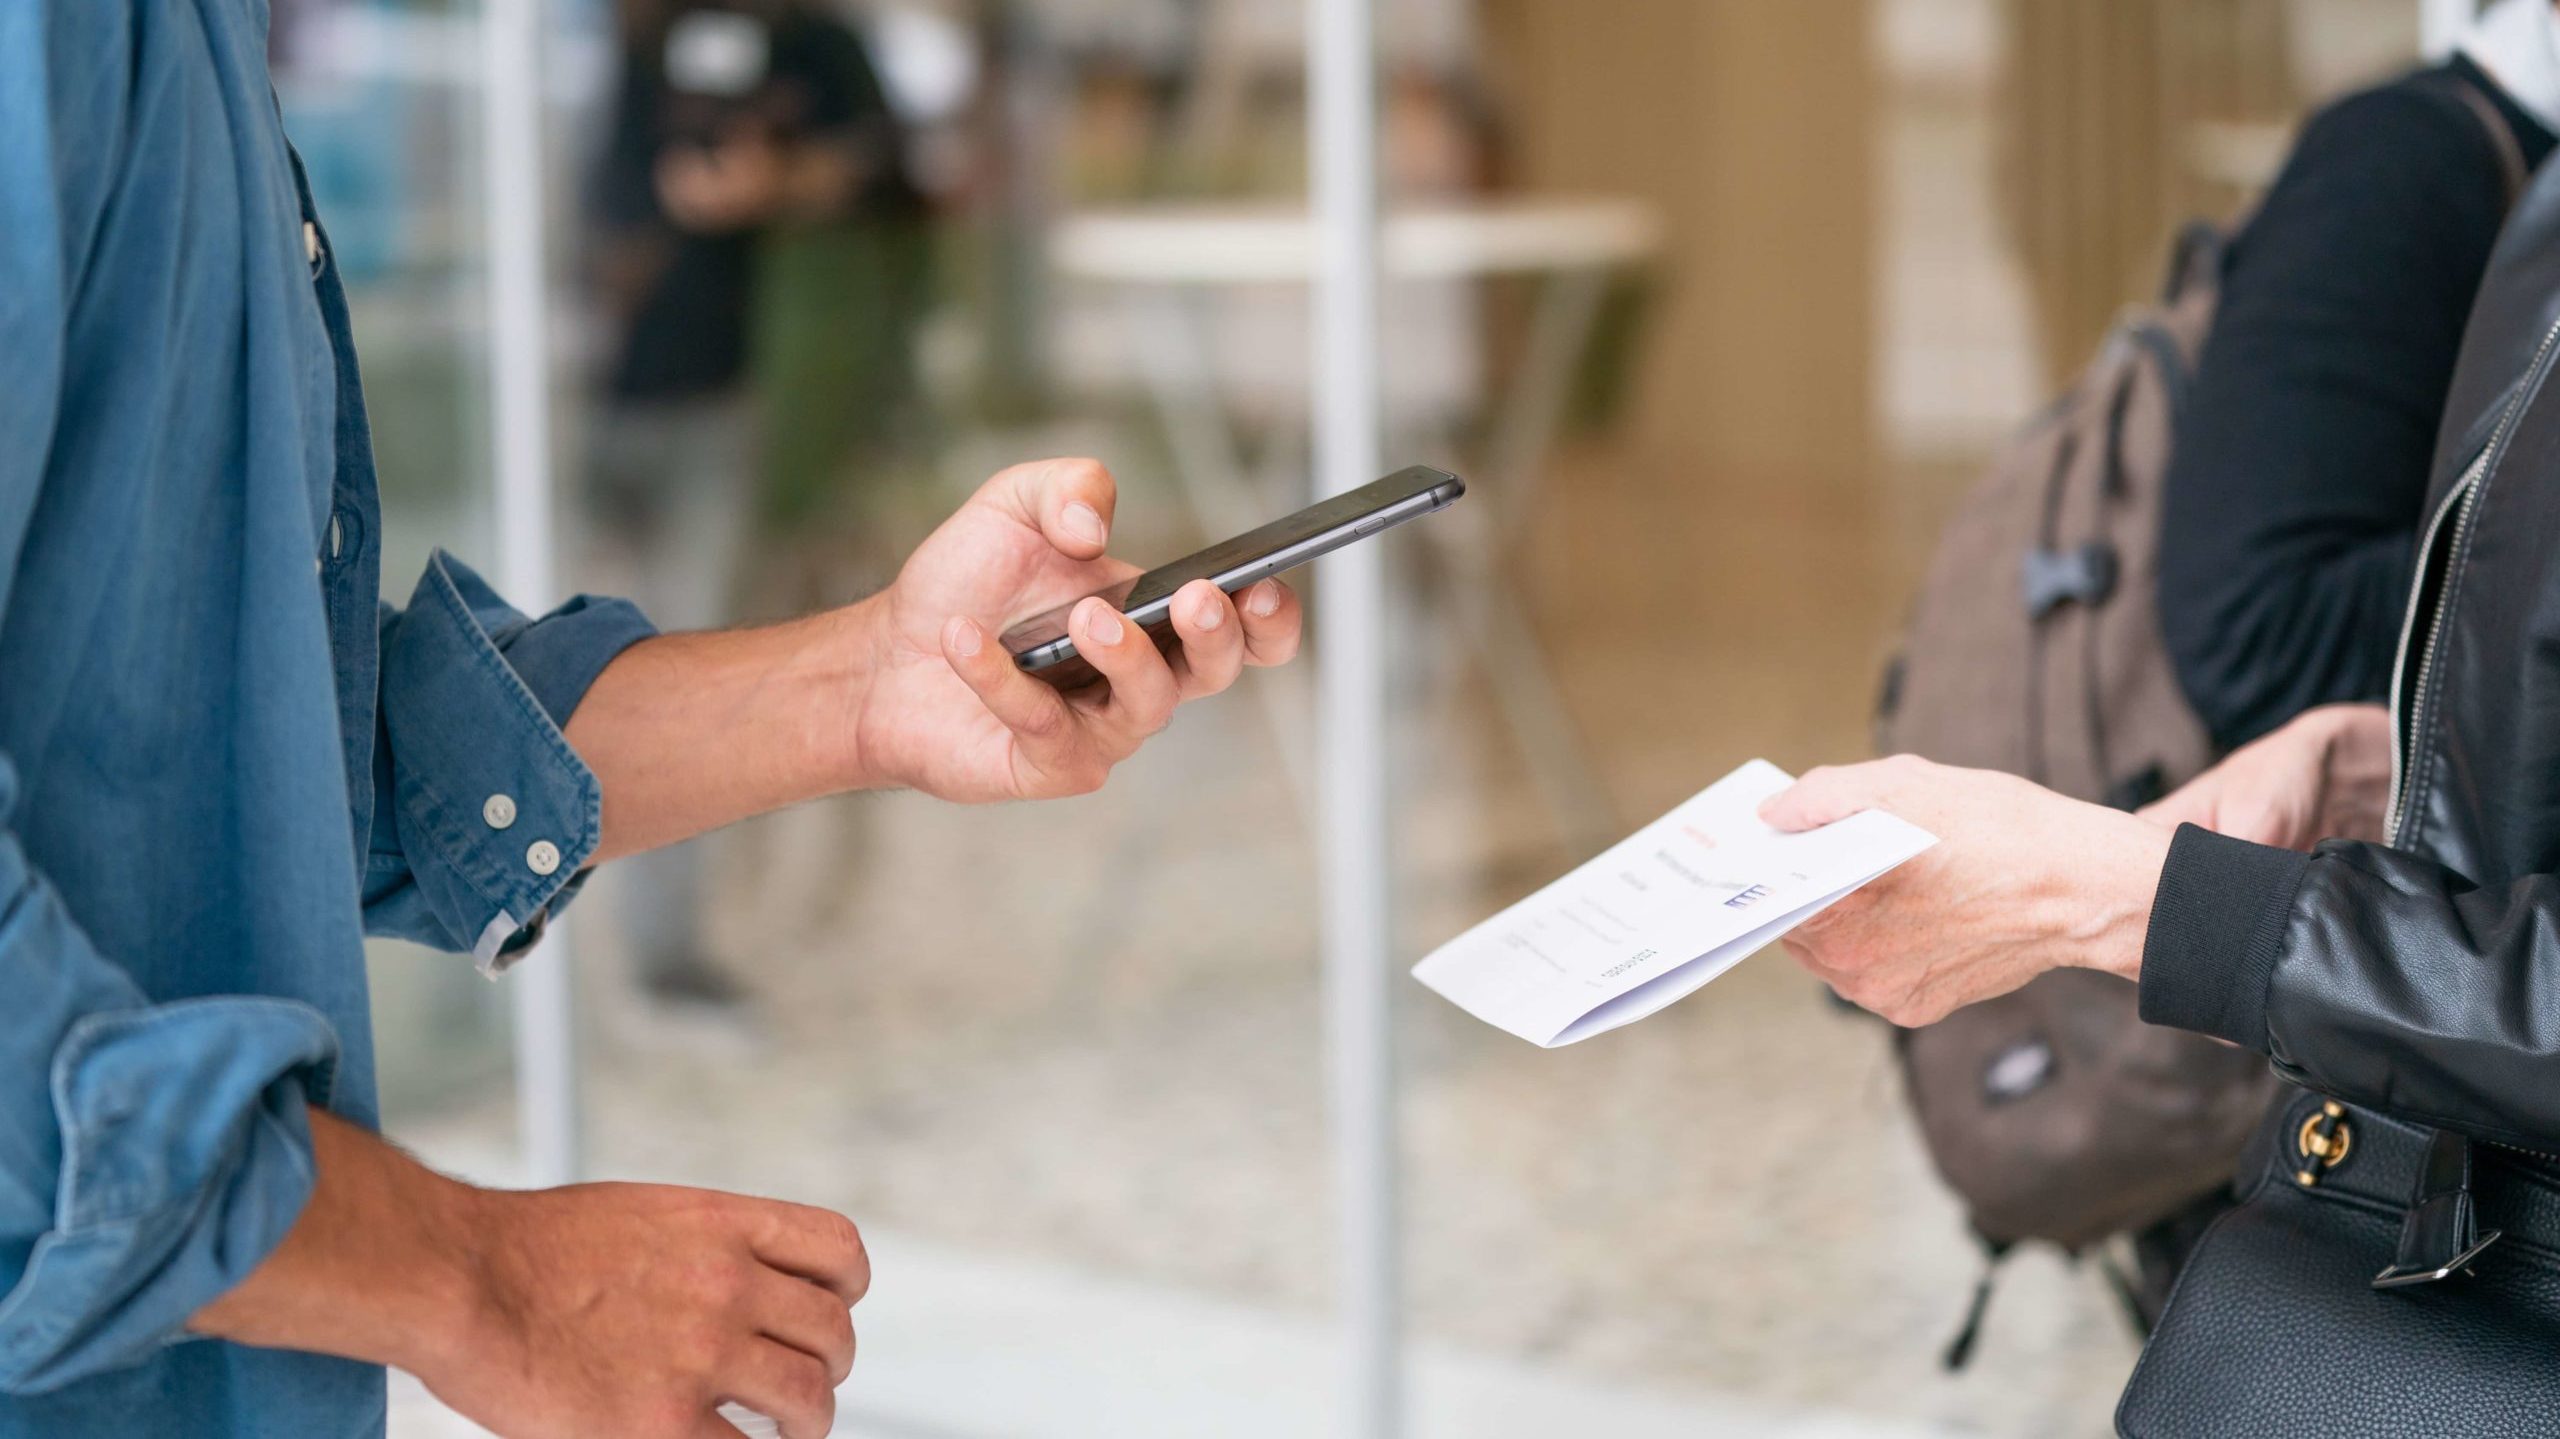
x: 1166, y: 265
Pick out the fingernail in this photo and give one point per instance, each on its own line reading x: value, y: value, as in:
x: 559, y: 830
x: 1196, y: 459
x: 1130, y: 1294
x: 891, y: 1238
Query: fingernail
x: 1105, y: 625
x: 1265, y: 601
x: 1082, y: 522
x: 1208, y: 615
x: 966, y: 637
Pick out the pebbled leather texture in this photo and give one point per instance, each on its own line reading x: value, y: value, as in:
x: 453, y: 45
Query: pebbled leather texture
x: 2275, y: 1329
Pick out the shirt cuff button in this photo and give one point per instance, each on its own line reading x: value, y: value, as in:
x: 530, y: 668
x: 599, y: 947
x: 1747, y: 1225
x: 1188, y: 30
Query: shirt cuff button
x: 543, y: 857
x: 499, y: 811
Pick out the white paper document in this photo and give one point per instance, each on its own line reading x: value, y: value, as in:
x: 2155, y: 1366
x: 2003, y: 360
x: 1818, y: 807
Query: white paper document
x: 1663, y: 911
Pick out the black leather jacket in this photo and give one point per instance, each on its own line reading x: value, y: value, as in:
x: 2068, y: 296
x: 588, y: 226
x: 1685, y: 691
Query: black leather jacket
x: 2423, y: 979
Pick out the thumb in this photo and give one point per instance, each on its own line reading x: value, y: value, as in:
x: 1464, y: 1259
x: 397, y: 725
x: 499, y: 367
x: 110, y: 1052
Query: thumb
x: 1825, y: 795
x: 1068, y: 501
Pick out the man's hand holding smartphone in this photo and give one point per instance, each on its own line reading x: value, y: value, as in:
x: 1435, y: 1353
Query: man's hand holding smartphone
x: 948, y: 712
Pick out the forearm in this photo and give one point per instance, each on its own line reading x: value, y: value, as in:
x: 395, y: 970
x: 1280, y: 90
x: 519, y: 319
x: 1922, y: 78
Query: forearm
x: 2098, y: 909
x: 378, y: 1267
x: 689, y: 732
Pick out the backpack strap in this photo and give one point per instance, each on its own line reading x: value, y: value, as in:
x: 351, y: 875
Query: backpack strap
x: 2195, y: 258
x: 1959, y: 1350
x: 2502, y: 138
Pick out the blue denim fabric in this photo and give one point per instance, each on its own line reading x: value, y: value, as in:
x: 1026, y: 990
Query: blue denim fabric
x: 223, y: 760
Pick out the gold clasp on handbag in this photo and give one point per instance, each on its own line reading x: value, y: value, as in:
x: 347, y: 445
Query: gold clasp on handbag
x: 2323, y: 1140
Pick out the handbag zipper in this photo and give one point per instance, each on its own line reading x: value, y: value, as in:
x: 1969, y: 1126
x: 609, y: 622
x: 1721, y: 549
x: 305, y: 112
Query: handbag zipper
x: 2520, y: 1149
x: 2459, y: 505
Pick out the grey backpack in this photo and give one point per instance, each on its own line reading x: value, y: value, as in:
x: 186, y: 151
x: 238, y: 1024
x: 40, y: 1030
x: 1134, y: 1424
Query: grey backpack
x: 2034, y: 647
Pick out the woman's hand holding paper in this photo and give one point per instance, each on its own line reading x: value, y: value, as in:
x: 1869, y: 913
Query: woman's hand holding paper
x: 2021, y: 881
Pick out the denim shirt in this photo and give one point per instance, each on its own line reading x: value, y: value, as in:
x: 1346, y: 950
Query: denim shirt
x: 223, y: 760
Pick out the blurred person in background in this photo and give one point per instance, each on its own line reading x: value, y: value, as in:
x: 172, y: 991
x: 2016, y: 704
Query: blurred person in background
x: 225, y: 761
x: 747, y: 137
x: 2299, y: 478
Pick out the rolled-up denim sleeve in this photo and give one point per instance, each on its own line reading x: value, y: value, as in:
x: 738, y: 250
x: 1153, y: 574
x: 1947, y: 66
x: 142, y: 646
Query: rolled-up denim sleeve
x: 485, y: 819
x: 150, y: 1155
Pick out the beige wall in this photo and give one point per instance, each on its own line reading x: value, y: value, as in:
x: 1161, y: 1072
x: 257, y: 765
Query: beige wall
x: 2107, y: 114
x: 1750, y: 124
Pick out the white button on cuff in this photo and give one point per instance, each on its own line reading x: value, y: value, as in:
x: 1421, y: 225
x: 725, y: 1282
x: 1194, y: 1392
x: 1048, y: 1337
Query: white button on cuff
x: 499, y: 811
x: 543, y: 857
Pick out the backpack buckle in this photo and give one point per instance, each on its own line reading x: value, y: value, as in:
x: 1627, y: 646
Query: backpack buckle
x: 2054, y: 578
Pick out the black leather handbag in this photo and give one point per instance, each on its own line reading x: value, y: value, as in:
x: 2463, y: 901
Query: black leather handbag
x: 2376, y: 1279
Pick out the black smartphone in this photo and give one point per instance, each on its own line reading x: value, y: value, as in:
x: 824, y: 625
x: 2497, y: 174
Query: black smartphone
x: 1040, y: 644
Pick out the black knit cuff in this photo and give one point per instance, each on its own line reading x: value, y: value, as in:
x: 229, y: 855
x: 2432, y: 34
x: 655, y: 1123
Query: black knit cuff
x: 2217, y: 925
